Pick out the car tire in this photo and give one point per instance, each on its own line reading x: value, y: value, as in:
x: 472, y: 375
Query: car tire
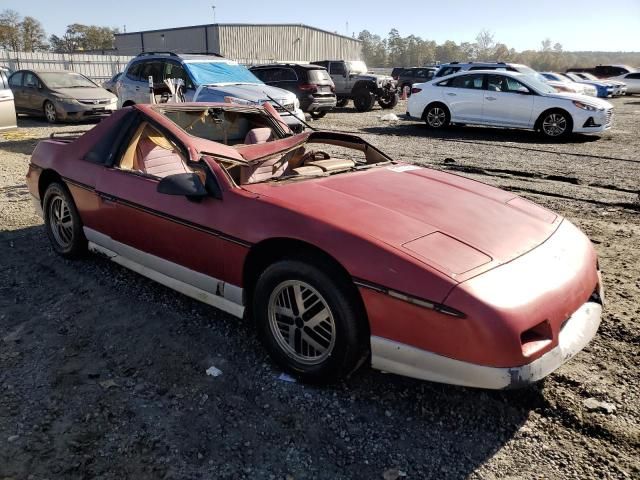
x: 388, y: 103
x: 318, y: 115
x: 330, y: 349
x: 342, y: 102
x: 555, y: 124
x: 62, y: 222
x: 49, y: 110
x: 364, y: 100
x: 436, y: 116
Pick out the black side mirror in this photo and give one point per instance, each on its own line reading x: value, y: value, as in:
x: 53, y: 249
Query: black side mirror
x: 184, y: 184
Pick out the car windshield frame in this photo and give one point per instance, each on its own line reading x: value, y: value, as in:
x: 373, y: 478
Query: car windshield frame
x: 211, y: 72
x: 532, y: 80
x: 49, y: 79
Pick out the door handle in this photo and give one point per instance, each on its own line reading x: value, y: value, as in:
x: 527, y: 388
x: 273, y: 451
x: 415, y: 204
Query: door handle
x: 106, y: 197
x: 491, y: 99
x: 451, y: 94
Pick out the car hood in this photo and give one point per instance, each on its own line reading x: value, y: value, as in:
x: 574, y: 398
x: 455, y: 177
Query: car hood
x: 252, y: 92
x: 579, y: 97
x: 458, y: 226
x: 89, y: 93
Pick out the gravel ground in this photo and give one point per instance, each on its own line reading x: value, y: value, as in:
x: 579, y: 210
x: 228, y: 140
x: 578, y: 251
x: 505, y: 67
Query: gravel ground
x: 102, y: 372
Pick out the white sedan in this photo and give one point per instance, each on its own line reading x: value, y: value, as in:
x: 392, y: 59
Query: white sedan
x: 632, y: 80
x: 506, y: 99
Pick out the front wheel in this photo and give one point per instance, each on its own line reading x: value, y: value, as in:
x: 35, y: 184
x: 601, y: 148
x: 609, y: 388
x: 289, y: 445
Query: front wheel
x: 62, y: 222
x: 555, y: 124
x: 342, y: 102
x: 389, y: 101
x: 318, y: 115
x: 50, y: 112
x: 436, y: 116
x: 364, y: 101
x: 309, y: 321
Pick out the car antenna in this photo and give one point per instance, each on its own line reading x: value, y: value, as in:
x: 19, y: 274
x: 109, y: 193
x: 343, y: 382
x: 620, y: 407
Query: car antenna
x: 290, y: 112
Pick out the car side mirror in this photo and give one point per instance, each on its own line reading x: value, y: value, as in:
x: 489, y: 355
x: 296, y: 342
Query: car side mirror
x: 184, y: 184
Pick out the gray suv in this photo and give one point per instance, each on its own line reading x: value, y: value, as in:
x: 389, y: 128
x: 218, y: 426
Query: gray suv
x: 207, y: 78
x: 354, y: 82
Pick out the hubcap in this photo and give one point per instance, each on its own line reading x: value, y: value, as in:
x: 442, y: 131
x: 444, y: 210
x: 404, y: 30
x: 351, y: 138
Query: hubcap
x: 50, y: 112
x: 436, y: 117
x: 60, y: 221
x: 301, y: 322
x: 554, y: 124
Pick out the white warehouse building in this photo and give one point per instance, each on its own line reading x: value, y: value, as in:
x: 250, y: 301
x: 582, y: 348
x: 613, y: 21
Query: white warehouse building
x: 246, y: 43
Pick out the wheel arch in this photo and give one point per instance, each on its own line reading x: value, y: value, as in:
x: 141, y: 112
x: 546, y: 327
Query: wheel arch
x: 433, y: 104
x: 128, y: 103
x: 538, y: 124
x: 266, y: 252
x: 47, y: 177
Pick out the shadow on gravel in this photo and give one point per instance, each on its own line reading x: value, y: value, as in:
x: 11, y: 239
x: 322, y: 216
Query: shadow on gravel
x: 487, y: 134
x: 103, y: 374
x: 24, y: 146
x: 29, y: 121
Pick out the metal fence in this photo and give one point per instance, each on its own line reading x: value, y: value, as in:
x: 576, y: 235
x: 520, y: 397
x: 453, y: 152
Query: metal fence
x: 96, y: 67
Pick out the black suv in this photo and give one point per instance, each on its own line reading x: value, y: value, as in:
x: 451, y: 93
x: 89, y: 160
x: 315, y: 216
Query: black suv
x: 412, y: 75
x: 311, y: 84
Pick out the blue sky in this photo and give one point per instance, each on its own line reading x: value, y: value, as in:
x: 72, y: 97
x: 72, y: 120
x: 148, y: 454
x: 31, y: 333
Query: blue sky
x: 577, y: 25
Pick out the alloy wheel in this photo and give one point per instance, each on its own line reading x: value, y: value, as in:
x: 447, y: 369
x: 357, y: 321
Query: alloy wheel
x: 436, y: 117
x: 554, y: 124
x: 61, y: 221
x: 50, y: 112
x: 301, y: 322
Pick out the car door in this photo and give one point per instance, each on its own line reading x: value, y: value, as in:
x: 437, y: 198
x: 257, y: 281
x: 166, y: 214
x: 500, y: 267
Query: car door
x: 7, y: 106
x: 464, y: 97
x: 153, y: 231
x: 339, y: 76
x: 134, y: 87
x: 507, y: 102
x: 33, y: 88
x: 20, y: 99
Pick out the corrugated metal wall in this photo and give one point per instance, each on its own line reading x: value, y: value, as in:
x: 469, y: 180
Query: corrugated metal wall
x: 260, y: 43
x: 246, y: 43
x: 96, y: 67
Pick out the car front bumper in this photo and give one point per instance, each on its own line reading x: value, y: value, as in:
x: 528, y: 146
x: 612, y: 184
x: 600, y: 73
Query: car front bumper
x: 402, y: 359
x: 293, y: 120
x: 76, y: 112
x: 593, y: 122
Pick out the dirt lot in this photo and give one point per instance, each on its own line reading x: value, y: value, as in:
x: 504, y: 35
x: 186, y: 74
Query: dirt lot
x: 102, y: 373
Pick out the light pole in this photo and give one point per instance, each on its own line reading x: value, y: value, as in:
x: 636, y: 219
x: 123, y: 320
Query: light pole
x: 213, y: 7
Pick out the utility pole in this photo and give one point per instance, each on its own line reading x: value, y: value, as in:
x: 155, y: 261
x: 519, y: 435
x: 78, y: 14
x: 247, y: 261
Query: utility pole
x: 213, y: 7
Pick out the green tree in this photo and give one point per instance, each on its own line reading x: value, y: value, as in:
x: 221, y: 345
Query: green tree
x: 84, y: 37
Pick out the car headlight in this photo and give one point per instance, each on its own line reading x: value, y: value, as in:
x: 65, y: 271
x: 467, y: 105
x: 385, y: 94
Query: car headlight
x: 113, y: 100
x: 585, y: 106
x: 66, y: 100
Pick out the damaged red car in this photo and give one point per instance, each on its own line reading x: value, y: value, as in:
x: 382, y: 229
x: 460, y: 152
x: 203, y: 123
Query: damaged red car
x: 339, y: 254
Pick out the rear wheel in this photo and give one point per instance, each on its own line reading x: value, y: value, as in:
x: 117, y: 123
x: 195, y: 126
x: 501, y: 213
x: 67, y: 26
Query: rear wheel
x: 318, y: 115
x: 50, y: 112
x: 436, y: 116
x: 364, y: 100
x: 555, y: 124
x: 62, y: 222
x: 308, y: 320
x: 389, y: 101
x: 342, y: 102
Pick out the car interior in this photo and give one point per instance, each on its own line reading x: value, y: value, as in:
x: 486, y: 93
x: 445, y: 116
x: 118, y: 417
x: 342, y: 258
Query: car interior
x: 315, y: 157
x: 225, y: 126
x: 152, y: 153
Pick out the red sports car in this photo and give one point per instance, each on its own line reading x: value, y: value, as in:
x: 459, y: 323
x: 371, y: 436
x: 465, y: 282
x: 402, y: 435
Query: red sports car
x: 339, y: 254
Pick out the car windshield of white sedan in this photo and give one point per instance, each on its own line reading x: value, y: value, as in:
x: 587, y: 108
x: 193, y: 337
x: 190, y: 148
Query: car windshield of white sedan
x: 66, y: 80
x: 209, y: 73
x: 542, y: 87
x: 589, y: 76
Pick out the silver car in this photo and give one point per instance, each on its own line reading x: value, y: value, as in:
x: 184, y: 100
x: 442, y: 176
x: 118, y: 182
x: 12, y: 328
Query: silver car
x: 60, y: 95
x: 7, y: 107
